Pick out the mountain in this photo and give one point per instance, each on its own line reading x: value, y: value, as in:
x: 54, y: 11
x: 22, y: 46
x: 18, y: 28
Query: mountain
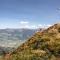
x: 43, y: 45
x: 10, y: 39
x: 9, y: 36
x: 16, y: 34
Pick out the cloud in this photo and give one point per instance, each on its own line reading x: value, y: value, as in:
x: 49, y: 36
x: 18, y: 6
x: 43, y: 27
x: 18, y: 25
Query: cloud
x: 24, y: 22
x: 28, y: 25
x: 43, y: 25
x: 58, y: 9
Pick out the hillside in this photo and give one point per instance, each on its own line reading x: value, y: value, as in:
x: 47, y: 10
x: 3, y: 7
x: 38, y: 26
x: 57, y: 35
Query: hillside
x: 10, y: 39
x: 44, y: 45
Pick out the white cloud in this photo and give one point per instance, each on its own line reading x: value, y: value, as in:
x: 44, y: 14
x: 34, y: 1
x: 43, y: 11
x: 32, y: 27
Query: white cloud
x: 43, y: 25
x: 26, y: 24
x: 49, y: 25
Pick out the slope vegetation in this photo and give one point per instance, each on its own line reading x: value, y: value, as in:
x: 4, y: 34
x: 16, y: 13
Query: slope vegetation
x: 44, y: 45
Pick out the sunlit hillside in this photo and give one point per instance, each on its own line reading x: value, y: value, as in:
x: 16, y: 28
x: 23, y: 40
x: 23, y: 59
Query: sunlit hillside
x: 43, y: 45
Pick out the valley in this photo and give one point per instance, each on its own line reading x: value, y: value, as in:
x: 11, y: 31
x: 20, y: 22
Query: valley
x: 10, y: 39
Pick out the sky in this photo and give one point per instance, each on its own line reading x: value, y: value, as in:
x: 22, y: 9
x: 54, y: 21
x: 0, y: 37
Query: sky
x: 29, y: 13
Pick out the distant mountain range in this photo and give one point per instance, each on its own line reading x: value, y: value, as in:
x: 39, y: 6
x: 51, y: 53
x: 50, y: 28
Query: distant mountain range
x: 14, y: 35
x: 12, y: 38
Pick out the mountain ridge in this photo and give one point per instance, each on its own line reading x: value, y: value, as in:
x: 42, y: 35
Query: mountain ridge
x: 43, y: 45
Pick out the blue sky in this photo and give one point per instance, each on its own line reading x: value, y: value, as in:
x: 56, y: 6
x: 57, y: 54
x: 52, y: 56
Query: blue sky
x: 28, y: 13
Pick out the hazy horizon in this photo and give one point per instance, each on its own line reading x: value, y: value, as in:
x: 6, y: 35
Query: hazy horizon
x: 29, y: 13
